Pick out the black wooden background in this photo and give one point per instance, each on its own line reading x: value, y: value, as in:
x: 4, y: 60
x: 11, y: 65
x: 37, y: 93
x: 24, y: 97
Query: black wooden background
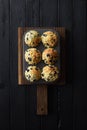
x: 67, y: 104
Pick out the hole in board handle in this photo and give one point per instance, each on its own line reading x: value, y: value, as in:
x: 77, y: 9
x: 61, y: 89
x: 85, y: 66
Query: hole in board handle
x: 42, y: 109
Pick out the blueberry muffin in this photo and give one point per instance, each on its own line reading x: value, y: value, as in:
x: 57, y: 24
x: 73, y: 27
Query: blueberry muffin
x: 50, y: 73
x: 32, y: 73
x: 32, y: 38
x: 49, y: 56
x: 32, y: 56
x: 49, y: 39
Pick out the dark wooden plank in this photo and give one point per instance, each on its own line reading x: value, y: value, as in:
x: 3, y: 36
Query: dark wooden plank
x: 32, y: 120
x: 48, y: 13
x: 80, y: 64
x: 36, y: 13
x: 4, y: 64
x: 17, y: 93
x: 29, y: 13
x: 4, y: 108
x: 4, y: 38
x: 66, y: 20
x: 33, y: 13
x: 42, y: 100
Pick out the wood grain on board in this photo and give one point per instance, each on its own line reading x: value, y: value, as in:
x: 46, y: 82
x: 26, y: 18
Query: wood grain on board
x: 42, y: 102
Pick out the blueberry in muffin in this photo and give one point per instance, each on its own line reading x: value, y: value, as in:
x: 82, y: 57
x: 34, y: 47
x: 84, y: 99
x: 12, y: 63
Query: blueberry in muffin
x: 32, y: 38
x: 32, y: 56
x: 50, y: 73
x: 50, y: 56
x: 49, y: 39
x: 32, y: 73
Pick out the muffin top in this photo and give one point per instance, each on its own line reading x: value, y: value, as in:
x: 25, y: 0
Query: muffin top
x: 32, y: 56
x: 32, y: 73
x: 50, y: 56
x: 49, y: 39
x: 50, y: 73
x: 32, y: 38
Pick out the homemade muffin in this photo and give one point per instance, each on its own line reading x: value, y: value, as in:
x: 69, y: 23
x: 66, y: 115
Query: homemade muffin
x: 50, y: 73
x: 49, y: 39
x: 32, y: 73
x: 32, y: 38
x: 49, y: 56
x: 32, y: 56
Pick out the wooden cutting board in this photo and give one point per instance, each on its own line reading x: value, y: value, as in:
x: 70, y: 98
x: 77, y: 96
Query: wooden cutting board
x: 42, y: 105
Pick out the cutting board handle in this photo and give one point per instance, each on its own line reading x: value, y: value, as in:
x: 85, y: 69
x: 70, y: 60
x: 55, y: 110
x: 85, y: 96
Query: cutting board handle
x: 42, y: 100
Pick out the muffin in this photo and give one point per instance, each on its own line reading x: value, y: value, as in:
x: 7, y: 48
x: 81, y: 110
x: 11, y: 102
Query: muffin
x: 32, y: 56
x: 49, y: 39
x: 32, y: 38
x: 50, y: 73
x: 49, y: 56
x: 32, y: 73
